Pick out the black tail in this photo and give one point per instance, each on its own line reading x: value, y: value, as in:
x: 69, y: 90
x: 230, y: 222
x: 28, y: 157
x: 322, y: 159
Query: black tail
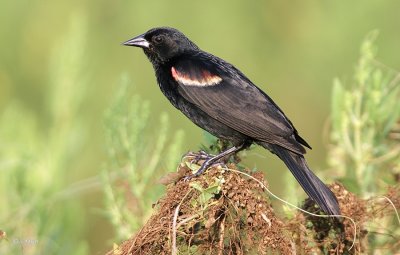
x: 311, y: 184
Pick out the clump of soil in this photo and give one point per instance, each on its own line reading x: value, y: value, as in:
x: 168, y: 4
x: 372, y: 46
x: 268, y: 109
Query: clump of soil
x: 226, y: 212
x: 336, y: 236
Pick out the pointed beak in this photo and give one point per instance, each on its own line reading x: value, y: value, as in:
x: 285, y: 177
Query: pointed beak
x: 137, y: 41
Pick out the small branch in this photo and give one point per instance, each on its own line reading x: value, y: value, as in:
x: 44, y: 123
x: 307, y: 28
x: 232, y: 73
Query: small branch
x: 174, y: 224
x: 221, y: 236
x: 187, y: 219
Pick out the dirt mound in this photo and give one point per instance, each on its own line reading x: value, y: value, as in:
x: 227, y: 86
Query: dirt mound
x: 226, y: 212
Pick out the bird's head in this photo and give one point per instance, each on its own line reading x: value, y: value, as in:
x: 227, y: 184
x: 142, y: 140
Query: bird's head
x: 162, y: 44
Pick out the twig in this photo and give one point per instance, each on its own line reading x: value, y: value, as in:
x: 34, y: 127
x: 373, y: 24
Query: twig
x: 134, y: 241
x: 174, y: 228
x: 221, y: 236
x: 394, y: 207
x: 186, y: 220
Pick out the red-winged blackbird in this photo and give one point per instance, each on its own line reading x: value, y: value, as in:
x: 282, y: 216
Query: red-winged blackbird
x: 222, y: 100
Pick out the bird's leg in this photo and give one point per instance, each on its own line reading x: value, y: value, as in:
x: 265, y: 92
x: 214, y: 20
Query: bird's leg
x: 210, y: 161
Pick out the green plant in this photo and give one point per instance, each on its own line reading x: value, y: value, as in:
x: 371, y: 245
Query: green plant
x: 363, y: 116
x: 135, y: 159
x: 38, y: 213
x: 363, y: 151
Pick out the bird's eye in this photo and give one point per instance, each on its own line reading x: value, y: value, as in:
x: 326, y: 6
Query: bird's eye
x: 158, y: 39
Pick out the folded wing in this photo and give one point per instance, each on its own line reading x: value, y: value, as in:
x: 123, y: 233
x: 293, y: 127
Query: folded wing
x: 228, y: 96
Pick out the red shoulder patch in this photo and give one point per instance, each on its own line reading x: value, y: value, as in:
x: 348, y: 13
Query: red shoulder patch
x: 199, y: 78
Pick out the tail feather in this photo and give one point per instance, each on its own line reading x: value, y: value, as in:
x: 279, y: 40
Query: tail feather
x: 311, y: 184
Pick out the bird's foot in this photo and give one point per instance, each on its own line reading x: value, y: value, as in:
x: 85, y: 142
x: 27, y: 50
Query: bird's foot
x: 207, y: 164
x: 210, y: 160
x: 196, y: 157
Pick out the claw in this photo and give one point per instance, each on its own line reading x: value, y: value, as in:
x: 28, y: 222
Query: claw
x: 198, y: 156
x: 210, y: 160
x: 199, y: 153
x: 202, y: 169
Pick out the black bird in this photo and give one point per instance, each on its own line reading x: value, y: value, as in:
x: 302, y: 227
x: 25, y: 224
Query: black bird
x: 220, y: 99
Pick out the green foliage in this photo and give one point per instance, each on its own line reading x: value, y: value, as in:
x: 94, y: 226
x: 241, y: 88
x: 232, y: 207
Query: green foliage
x: 206, y: 193
x: 363, y: 151
x: 362, y: 118
x: 139, y: 150
x: 38, y: 212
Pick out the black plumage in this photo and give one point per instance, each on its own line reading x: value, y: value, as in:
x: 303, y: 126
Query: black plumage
x: 222, y: 100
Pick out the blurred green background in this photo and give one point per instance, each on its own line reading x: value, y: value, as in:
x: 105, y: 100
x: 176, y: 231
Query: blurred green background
x: 60, y: 62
